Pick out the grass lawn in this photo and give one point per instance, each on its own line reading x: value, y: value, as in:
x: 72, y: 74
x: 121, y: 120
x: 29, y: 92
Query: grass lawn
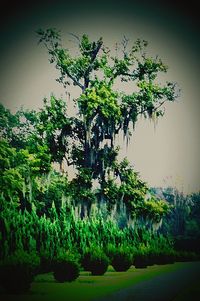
x: 86, y: 287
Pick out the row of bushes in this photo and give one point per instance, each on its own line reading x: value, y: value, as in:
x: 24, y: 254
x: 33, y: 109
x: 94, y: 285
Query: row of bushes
x: 17, y: 271
x: 96, y: 261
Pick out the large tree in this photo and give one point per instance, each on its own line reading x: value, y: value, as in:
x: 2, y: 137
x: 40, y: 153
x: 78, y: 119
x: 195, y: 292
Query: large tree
x: 104, y: 107
x: 103, y: 110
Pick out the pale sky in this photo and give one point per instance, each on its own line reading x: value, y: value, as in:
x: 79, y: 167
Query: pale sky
x: 167, y: 154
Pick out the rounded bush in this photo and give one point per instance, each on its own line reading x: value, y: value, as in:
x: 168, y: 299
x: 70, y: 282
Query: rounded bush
x: 151, y: 258
x: 17, y: 271
x: 184, y: 256
x: 164, y: 258
x: 65, y: 269
x: 95, y: 261
x: 121, y: 260
x: 140, y: 261
x: 98, y: 263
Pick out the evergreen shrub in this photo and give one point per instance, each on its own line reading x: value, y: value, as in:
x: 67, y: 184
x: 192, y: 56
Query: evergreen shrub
x: 65, y: 268
x: 17, y: 271
x: 140, y: 260
x: 95, y: 261
x: 184, y: 256
x: 121, y: 259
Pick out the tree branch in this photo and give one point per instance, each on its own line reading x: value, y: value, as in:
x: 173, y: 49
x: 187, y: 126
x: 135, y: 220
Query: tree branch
x: 75, y: 81
x: 154, y: 109
x: 93, y: 56
x: 132, y: 75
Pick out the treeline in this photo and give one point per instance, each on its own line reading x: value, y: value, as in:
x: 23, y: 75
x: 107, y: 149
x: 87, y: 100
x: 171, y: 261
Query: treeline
x: 182, y: 222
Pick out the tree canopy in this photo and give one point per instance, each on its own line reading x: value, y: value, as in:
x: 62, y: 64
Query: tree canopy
x: 102, y: 110
x: 34, y: 140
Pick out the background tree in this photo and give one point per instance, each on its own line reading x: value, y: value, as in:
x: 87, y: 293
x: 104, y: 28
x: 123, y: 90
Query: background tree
x: 193, y: 226
x: 17, y: 127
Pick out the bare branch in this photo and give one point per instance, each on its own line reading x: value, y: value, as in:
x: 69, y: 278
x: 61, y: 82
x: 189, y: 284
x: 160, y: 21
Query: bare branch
x: 75, y: 36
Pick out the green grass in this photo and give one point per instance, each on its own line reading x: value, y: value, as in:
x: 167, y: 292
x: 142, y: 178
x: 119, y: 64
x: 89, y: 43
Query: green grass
x: 86, y: 287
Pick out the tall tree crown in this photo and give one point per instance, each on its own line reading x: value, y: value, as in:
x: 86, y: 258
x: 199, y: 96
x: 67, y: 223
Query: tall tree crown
x: 104, y: 111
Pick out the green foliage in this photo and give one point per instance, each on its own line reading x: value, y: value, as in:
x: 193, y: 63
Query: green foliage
x: 153, y: 208
x: 98, y: 263
x: 46, y: 262
x: 48, y: 234
x: 81, y: 189
x: 85, y: 259
x: 95, y: 261
x: 101, y: 101
x: 182, y: 220
x: 17, y: 128
x: 43, y: 156
x: 103, y: 111
x: 41, y: 210
x: 17, y: 271
x: 18, y: 167
x: 7, y: 122
x: 192, y: 227
x: 121, y: 258
x: 65, y: 268
x: 111, y: 192
x: 50, y: 191
x: 185, y: 256
x: 53, y: 128
x: 140, y: 261
x: 160, y: 251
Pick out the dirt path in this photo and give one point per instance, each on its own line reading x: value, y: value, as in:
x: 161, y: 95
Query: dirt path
x: 164, y: 287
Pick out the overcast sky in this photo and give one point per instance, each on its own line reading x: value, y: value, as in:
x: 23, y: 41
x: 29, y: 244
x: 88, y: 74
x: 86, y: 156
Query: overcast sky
x: 165, y: 155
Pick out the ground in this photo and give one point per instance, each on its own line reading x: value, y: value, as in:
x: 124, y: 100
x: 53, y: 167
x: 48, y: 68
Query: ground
x: 177, y: 282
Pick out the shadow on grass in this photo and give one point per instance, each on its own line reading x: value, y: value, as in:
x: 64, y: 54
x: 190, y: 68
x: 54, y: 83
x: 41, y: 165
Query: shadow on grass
x: 87, y: 287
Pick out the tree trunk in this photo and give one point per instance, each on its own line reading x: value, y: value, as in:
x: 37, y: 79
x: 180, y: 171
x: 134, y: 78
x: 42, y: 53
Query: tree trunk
x: 88, y: 150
